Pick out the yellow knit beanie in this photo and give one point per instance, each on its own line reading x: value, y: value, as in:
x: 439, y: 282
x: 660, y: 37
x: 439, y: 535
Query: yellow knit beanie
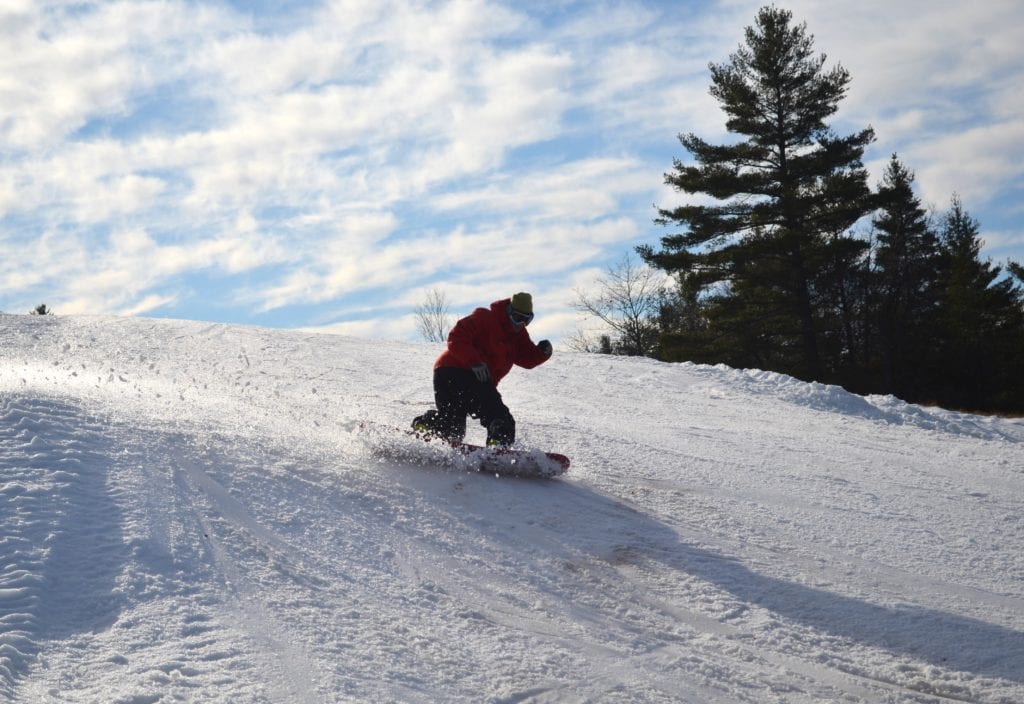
x: 523, y: 303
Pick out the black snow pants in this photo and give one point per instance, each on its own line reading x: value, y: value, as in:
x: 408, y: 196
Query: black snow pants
x: 457, y: 394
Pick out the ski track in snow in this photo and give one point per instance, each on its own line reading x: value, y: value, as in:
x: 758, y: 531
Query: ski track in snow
x: 189, y: 513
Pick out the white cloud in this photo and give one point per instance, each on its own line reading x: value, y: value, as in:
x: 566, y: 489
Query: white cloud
x: 973, y: 163
x: 119, y: 275
x: 581, y: 190
x: 127, y: 193
x: 62, y: 69
x: 148, y: 305
x: 391, y: 328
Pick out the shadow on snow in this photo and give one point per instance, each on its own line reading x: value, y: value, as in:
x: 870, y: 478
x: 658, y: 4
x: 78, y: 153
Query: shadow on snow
x: 581, y: 521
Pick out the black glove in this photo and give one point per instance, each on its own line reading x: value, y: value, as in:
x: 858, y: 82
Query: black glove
x: 545, y: 348
x: 482, y: 373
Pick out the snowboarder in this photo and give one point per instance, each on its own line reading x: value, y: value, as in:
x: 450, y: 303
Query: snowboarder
x: 482, y: 347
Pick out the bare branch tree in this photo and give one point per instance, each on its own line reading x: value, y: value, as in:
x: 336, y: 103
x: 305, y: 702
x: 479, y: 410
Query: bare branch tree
x: 432, y: 318
x: 628, y: 300
x: 580, y: 341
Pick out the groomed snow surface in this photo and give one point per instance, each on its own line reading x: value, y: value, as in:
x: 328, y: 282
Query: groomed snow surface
x: 189, y: 513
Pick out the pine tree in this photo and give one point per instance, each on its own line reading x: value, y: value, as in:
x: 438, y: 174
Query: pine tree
x: 682, y: 323
x: 788, y: 192
x: 905, y: 286
x: 981, y: 325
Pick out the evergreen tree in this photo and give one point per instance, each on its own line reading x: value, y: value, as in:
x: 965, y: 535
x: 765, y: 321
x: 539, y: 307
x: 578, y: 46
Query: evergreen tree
x: 788, y: 193
x: 682, y: 323
x: 981, y: 324
x: 848, y: 341
x: 1016, y: 269
x: 905, y: 287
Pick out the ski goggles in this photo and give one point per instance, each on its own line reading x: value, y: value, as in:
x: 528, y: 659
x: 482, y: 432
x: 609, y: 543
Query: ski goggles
x: 518, y: 317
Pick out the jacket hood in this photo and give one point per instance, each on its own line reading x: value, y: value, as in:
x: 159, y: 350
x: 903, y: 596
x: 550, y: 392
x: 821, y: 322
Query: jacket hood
x: 500, y: 309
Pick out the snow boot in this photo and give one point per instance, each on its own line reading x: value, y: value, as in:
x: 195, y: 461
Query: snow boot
x: 426, y: 423
x: 501, y: 432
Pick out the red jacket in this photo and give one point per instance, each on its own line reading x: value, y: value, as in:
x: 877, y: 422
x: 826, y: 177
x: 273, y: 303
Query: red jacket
x: 487, y: 335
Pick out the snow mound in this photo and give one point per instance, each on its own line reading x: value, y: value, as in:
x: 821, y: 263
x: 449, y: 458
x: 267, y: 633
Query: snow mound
x: 884, y: 409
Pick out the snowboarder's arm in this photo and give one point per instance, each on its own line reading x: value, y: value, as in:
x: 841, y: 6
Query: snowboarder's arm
x: 529, y: 355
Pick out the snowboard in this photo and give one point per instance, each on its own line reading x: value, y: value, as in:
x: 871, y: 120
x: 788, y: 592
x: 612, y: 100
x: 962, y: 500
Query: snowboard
x: 510, y: 462
x: 501, y: 461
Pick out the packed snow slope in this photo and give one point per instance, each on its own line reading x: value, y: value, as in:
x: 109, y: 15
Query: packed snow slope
x: 190, y: 513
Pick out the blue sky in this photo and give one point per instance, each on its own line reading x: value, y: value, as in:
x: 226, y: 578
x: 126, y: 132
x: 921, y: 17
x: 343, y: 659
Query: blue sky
x: 322, y: 165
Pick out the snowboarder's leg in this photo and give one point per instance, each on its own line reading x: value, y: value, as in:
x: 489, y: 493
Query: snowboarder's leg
x: 452, y: 394
x: 495, y: 416
x: 501, y: 432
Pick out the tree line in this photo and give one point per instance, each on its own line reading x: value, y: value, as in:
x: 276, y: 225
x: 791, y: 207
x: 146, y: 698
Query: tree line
x: 790, y: 261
